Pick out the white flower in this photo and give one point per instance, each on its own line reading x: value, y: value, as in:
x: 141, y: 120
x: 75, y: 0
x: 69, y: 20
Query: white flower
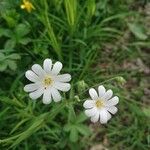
x: 101, y: 105
x: 47, y: 81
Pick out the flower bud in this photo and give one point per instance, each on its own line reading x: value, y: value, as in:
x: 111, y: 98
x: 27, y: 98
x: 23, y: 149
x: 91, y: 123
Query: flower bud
x: 76, y: 97
x: 121, y: 80
x: 81, y: 86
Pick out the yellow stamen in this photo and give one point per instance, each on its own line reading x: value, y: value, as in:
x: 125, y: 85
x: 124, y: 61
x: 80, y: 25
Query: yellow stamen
x: 99, y: 103
x: 27, y: 5
x: 47, y: 81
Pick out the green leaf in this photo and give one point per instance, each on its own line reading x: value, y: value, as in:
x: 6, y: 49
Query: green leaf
x: 10, y: 15
x: 2, y: 57
x: 18, y: 125
x: 91, y: 7
x: 37, y: 124
x: 73, y: 134
x: 22, y: 30
x: 10, y: 44
x: 25, y: 41
x: 5, y: 32
x: 136, y: 110
x: 72, y: 114
x: 84, y: 130
x: 138, y: 31
x: 1, y: 32
x: 12, y: 102
x: 81, y: 118
x: 146, y: 111
x: 14, y: 56
x: 12, y: 64
x: 3, y: 66
x: 67, y: 127
x: 8, y: 33
x: 3, y: 113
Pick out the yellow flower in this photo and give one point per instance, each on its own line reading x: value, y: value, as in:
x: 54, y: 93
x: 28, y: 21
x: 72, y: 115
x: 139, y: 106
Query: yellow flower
x: 27, y: 5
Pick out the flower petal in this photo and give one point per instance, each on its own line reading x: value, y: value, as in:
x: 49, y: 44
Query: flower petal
x: 103, y: 116
x: 30, y: 75
x: 36, y: 94
x: 89, y: 104
x: 47, y: 65
x: 112, y: 109
x: 91, y: 112
x: 47, y: 96
x: 32, y: 87
x: 63, y: 77
x: 56, y: 68
x: 113, y: 101
x: 107, y: 95
x: 108, y: 116
x: 55, y: 94
x: 95, y: 118
x: 101, y: 90
x: 93, y: 94
x: 62, y: 86
x: 38, y: 70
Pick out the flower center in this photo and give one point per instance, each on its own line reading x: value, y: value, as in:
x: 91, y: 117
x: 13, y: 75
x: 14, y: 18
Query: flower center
x: 47, y: 81
x: 99, y: 103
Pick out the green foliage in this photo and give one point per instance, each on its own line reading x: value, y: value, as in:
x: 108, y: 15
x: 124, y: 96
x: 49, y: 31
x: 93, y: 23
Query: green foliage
x: 91, y: 7
x: 8, y: 61
x: 138, y: 31
x: 16, y: 36
x: 71, y: 13
x: 98, y: 42
x: 75, y: 125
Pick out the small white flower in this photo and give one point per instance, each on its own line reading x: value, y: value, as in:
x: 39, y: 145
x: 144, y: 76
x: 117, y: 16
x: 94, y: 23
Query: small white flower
x: 101, y: 105
x: 47, y: 81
